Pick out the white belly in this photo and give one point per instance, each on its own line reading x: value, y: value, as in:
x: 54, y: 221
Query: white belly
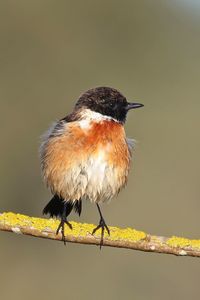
x: 102, y: 179
x: 95, y: 180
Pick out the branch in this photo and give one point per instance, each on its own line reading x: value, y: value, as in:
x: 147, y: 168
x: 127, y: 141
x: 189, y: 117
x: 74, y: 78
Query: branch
x: 122, y: 238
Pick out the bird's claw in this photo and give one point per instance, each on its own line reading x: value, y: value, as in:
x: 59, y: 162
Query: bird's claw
x: 62, y: 227
x: 103, y: 226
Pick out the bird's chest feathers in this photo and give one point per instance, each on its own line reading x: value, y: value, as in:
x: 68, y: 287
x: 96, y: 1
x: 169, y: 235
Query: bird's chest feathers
x: 105, y: 142
x: 106, y: 160
x: 92, y: 161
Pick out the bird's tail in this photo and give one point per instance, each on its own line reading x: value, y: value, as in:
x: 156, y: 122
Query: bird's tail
x: 57, y: 206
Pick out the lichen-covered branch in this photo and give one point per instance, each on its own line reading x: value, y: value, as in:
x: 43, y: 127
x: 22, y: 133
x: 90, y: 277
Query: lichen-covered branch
x: 81, y: 233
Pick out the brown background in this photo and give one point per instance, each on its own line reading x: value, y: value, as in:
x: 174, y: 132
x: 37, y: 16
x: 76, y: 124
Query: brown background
x: 50, y: 52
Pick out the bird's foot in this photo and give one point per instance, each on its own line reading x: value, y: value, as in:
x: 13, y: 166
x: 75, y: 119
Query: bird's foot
x: 103, y: 226
x: 62, y: 227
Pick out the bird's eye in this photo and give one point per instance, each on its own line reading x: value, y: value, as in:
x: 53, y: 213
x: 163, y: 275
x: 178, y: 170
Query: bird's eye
x: 103, y: 100
x: 112, y: 104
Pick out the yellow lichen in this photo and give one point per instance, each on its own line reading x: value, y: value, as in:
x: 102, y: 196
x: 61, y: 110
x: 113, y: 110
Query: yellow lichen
x: 175, y: 241
x: 128, y: 234
x: 79, y: 229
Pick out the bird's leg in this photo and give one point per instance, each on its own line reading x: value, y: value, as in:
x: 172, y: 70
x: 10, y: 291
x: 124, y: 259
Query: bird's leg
x: 62, y: 224
x: 102, y: 225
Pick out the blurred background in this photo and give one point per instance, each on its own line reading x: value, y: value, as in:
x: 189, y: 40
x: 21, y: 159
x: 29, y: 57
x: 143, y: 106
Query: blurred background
x: 50, y: 52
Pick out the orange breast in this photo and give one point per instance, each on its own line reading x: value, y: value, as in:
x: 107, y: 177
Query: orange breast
x: 65, y: 156
x: 110, y: 136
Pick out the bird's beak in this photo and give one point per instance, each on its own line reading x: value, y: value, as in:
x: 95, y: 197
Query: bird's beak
x: 133, y: 105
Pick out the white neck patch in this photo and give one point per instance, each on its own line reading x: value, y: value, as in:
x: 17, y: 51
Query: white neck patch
x: 88, y: 115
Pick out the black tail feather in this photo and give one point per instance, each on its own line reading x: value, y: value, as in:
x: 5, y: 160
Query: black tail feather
x: 78, y: 207
x: 57, y: 205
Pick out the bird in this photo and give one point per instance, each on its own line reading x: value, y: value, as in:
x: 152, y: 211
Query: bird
x: 87, y: 156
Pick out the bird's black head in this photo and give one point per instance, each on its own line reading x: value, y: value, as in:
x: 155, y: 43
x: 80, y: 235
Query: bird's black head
x: 107, y: 101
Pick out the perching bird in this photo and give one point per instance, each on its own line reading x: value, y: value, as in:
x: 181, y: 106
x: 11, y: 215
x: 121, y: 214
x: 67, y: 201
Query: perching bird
x: 86, y: 155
